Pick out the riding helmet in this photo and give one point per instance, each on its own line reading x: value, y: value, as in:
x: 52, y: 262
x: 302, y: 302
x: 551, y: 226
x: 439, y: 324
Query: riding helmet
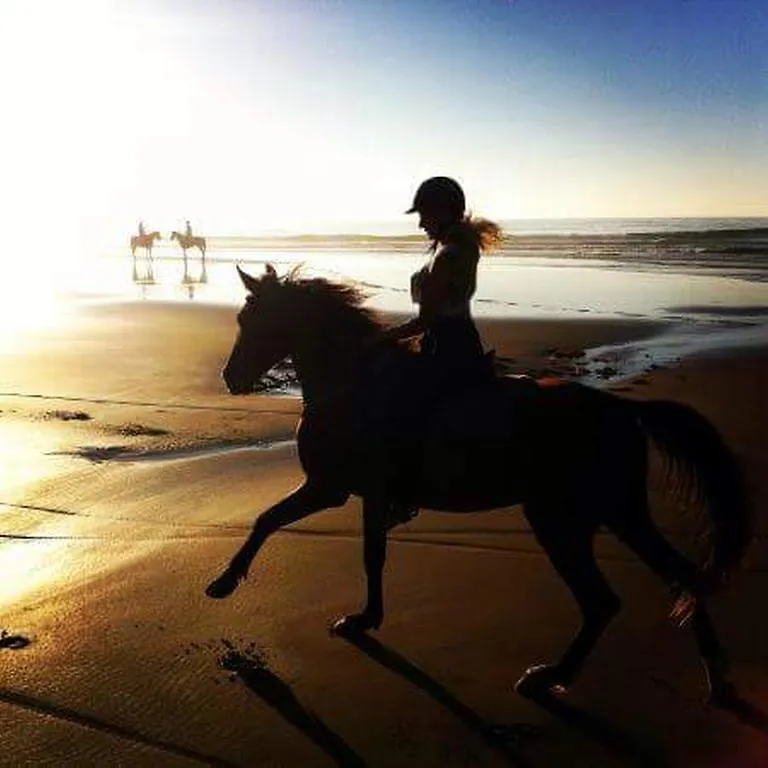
x: 439, y: 192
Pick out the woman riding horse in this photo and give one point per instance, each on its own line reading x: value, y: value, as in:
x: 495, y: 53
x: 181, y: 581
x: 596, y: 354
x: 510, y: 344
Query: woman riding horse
x: 576, y: 458
x: 444, y: 287
x: 451, y: 349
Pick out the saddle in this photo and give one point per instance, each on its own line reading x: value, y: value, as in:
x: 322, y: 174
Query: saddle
x: 402, y: 398
x: 403, y: 411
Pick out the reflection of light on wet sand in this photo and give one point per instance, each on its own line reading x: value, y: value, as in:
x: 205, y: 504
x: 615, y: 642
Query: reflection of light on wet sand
x: 631, y: 358
x: 26, y: 563
x: 21, y: 447
x: 34, y: 551
x: 27, y: 309
x: 31, y: 564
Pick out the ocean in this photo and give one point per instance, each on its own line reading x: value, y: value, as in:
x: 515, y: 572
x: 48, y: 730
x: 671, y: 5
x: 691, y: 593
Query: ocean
x: 707, y: 279
x: 647, y: 267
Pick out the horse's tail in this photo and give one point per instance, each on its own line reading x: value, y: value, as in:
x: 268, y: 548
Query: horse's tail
x: 698, y: 456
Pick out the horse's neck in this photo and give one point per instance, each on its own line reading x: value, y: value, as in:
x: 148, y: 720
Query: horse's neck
x: 328, y: 366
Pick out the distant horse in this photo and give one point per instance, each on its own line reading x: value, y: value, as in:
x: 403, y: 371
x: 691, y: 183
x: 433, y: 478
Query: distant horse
x: 145, y: 241
x: 576, y: 458
x: 191, y: 241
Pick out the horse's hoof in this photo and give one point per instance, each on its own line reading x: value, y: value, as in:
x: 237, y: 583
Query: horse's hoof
x: 355, y: 624
x: 224, y: 586
x: 541, y: 679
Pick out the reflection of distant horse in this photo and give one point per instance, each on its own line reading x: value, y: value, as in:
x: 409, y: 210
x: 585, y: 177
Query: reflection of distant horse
x: 191, y: 241
x: 146, y: 241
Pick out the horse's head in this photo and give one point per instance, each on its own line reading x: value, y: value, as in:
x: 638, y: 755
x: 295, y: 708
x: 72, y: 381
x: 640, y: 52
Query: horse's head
x: 320, y: 324
x: 265, y: 331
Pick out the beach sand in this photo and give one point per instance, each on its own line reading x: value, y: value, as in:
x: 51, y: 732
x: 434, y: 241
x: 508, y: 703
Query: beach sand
x: 129, y: 479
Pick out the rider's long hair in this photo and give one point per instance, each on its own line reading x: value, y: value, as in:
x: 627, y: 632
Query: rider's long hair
x: 488, y: 233
x: 484, y: 233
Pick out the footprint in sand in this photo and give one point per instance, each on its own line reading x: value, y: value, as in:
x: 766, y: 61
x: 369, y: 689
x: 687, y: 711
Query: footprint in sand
x: 234, y: 657
x: 95, y: 453
x: 140, y: 430
x: 239, y: 660
x: 67, y: 415
x: 13, y: 642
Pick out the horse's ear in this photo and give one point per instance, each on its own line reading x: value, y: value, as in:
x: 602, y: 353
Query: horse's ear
x: 251, y: 283
x: 271, y: 272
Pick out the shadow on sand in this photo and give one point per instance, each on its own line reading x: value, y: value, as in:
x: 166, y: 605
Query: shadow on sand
x: 746, y: 713
x: 505, y: 740
x: 508, y: 740
x: 278, y: 695
x: 612, y: 738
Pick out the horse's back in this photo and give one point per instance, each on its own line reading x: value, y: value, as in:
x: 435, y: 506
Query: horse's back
x: 475, y: 446
x: 482, y: 447
x: 486, y: 411
x: 503, y: 440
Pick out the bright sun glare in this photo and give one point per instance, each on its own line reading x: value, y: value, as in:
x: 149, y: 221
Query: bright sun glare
x: 85, y: 94
x: 61, y: 66
x: 115, y: 117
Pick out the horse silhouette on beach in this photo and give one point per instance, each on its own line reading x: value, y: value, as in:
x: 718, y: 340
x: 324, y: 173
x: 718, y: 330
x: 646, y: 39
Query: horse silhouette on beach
x: 576, y: 459
x: 192, y: 241
x: 145, y: 241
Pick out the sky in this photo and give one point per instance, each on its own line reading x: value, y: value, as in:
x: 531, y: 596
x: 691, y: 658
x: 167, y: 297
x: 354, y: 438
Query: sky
x: 256, y: 115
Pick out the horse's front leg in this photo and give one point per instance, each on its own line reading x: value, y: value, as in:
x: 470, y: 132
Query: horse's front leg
x: 303, y: 502
x: 374, y: 556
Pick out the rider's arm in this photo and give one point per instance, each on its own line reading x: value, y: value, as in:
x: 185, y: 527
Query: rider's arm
x: 412, y: 328
x: 433, y: 289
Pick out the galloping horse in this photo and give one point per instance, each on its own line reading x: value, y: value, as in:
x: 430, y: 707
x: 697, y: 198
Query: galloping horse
x: 145, y: 241
x: 575, y: 457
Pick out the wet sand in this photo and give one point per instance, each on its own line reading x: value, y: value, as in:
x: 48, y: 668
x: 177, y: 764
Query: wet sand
x: 130, y: 477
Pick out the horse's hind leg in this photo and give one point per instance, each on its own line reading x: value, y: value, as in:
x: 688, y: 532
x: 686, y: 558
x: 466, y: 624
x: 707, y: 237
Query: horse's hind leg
x: 639, y: 533
x: 568, y: 542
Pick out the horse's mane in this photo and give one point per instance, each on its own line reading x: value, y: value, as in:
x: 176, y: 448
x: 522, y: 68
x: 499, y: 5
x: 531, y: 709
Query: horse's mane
x: 342, y: 297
